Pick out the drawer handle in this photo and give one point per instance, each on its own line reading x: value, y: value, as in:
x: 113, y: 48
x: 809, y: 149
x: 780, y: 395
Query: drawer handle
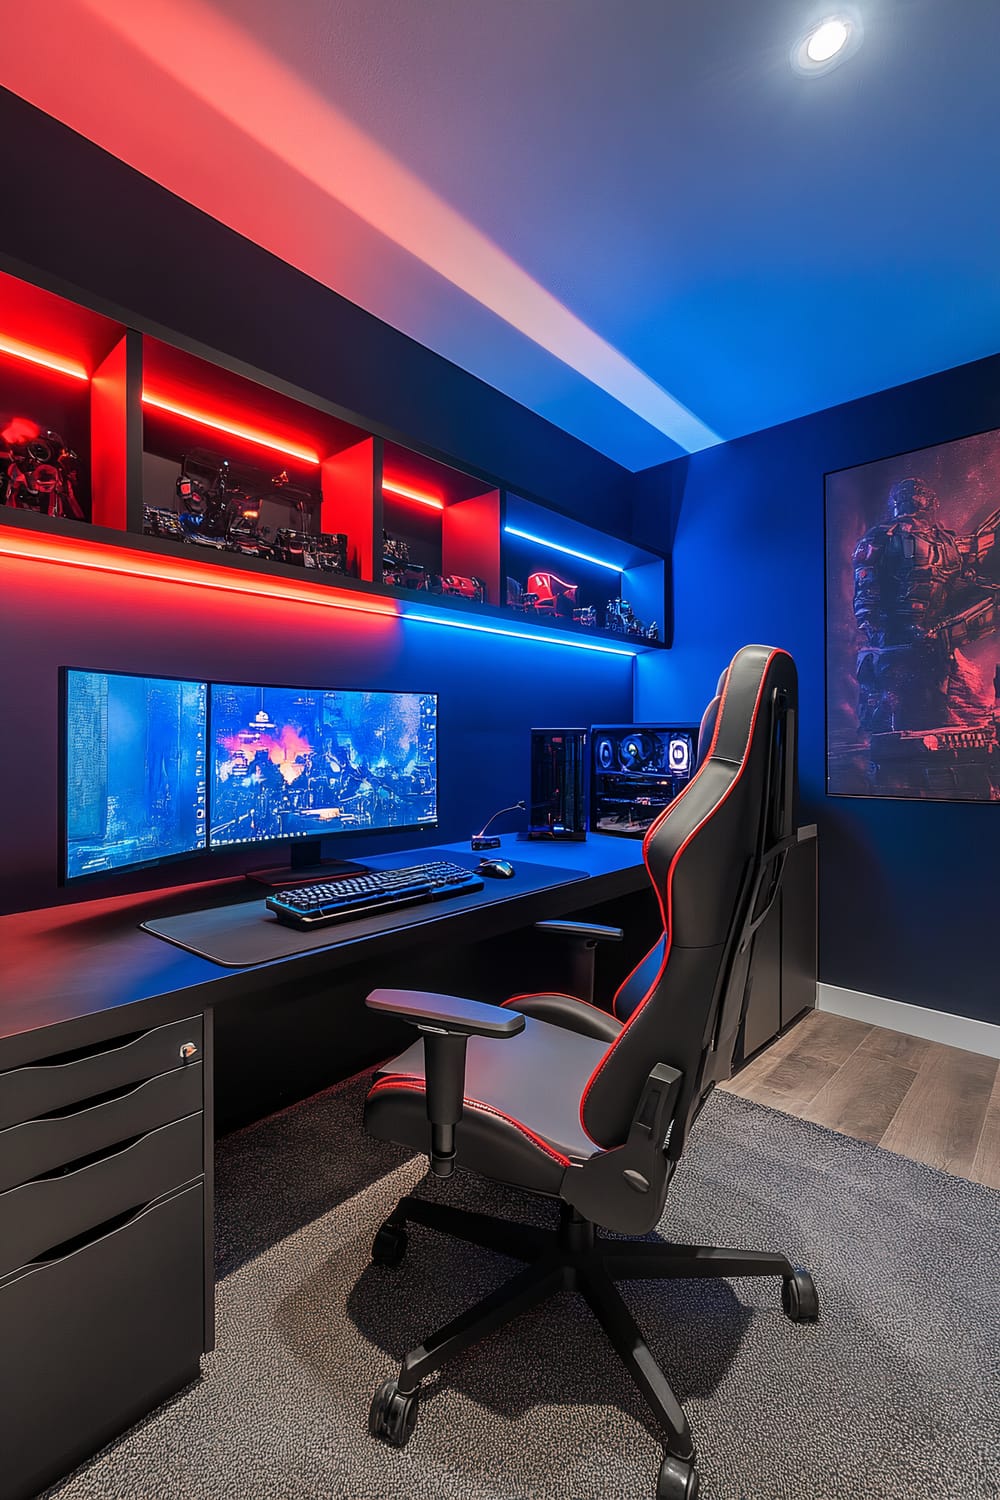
x: 89, y: 1237
x: 188, y: 1051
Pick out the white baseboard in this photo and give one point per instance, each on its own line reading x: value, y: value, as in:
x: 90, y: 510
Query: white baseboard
x: 914, y: 1020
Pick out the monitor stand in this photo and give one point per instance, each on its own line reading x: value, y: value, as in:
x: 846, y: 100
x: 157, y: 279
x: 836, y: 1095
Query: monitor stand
x: 306, y: 865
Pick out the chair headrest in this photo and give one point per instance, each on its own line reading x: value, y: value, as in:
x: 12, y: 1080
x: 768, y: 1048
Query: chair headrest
x: 707, y: 727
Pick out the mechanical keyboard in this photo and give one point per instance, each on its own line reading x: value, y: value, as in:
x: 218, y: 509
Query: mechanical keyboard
x: 347, y: 896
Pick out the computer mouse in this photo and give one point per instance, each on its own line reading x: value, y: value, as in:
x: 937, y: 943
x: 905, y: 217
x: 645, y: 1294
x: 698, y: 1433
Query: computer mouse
x: 501, y: 868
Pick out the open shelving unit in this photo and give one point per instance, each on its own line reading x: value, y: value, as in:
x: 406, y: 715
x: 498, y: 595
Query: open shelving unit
x: 173, y: 451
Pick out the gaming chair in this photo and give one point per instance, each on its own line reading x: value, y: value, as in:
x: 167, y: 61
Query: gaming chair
x: 556, y: 1096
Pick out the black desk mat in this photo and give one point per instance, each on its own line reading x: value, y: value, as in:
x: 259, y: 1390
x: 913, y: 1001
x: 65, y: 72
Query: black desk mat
x: 246, y: 933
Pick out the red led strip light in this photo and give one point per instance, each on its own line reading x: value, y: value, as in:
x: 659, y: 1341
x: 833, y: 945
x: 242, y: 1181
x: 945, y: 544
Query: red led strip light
x: 390, y: 488
x: 147, y: 567
x: 43, y: 358
x: 233, y: 429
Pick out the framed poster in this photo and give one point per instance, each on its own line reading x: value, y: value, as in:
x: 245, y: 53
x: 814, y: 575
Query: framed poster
x: 913, y: 624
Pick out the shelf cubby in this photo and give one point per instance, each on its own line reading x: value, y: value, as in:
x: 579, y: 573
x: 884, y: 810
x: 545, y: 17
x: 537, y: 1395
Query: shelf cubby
x: 291, y: 467
x: 62, y: 391
x: 448, y: 522
x: 570, y: 567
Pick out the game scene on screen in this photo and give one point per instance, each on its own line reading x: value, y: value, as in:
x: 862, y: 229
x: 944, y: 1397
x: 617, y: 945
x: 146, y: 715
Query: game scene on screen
x: 298, y: 763
x: 135, y: 770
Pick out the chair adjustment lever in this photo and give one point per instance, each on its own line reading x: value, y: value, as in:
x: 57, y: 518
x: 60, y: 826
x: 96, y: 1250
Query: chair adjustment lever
x: 624, y: 1188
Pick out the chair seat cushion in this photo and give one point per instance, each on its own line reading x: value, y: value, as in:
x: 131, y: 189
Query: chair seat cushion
x: 521, y: 1121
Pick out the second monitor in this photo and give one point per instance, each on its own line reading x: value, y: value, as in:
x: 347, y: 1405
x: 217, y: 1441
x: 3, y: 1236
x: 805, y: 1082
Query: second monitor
x: 300, y: 763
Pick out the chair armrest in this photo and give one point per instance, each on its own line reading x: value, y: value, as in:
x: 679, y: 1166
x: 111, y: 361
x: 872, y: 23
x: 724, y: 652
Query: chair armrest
x: 446, y: 1022
x: 448, y: 1013
x: 583, y: 940
x: 592, y: 931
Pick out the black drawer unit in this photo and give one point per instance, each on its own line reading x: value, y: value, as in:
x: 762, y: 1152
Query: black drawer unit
x: 50, y: 1210
x: 105, y: 1301
x: 96, y: 1337
x: 54, y: 1082
x: 37, y: 1146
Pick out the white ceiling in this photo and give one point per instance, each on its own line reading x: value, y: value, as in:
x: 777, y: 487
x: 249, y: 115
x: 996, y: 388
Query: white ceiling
x: 633, y: 216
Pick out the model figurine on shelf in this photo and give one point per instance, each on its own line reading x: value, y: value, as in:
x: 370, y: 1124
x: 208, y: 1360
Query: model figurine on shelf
x: 397, y: 566
x: 38, y: 471
x: 457, y: 586
x: 620, y: 617
x: 545, y: 594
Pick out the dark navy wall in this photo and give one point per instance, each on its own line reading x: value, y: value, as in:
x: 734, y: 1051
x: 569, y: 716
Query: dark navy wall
x: 909, y: 891
x: 84, y: 217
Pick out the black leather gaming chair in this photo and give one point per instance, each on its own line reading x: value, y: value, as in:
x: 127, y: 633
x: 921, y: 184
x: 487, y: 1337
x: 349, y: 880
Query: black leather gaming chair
x: 560, y: 1098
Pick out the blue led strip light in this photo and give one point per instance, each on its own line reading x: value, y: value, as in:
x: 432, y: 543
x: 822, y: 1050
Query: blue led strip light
x: 522, y: 635
x: 558, y: 547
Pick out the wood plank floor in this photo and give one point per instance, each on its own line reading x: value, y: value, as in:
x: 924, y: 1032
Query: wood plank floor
x: 933, y: 1103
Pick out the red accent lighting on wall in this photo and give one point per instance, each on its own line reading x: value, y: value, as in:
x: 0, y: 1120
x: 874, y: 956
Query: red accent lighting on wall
x: 389, y: 487
x: 153, y: 568
x: 233, y: 429
x: 42, y: 357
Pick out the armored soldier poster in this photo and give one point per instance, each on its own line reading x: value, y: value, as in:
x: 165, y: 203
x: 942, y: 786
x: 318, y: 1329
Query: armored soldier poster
x: 913, y: 624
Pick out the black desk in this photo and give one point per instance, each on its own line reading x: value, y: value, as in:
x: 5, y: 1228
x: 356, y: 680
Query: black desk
x: 106, y: 1122
x: 70, y: 970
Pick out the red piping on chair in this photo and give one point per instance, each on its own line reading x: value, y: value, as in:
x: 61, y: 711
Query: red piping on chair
x: 649, y: 834
x: 556, y: 995
x: 627, y: 980
x: 403, y: 1081
x: 666, y: 913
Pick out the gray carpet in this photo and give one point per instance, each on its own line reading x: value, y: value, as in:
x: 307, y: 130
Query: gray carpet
x: 895, y: 1394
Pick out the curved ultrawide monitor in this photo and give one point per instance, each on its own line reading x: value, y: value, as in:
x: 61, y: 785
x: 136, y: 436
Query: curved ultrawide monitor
x: 134, y: 759
x: 301, y: 763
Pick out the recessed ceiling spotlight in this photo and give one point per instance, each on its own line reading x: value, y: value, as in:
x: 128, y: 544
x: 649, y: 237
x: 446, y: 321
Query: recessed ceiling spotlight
x: 827, y: 40
x: 827, y: 44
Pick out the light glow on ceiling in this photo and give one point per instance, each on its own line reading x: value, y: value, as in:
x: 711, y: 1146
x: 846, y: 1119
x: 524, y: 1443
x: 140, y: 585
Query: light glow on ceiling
x: 252, y: 89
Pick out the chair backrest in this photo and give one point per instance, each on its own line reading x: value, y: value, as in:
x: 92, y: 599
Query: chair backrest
x: 714, y: 857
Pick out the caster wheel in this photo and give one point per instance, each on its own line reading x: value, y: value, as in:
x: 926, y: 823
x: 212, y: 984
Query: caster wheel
x: 389, y: 1245
x: 798, y: 1297
x: 678, y: 1480
x: 392, y: 1417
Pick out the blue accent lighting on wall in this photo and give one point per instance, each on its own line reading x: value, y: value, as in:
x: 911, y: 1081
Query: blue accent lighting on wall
x: 528, y: 536
x: 523, y: 635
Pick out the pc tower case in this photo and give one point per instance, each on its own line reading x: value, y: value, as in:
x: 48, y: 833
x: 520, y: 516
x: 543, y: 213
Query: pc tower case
x: 637, y: 771
x: 558, y: 805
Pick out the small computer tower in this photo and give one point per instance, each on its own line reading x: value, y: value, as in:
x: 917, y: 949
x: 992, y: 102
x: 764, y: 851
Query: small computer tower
x: 638, y: 769
x: 558, y: 805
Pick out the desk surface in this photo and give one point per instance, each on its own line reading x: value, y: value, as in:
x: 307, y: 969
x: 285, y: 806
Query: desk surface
x: 65, y: 964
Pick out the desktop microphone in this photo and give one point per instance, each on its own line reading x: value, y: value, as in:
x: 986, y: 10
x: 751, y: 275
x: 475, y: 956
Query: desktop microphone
x: 480, y: 841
